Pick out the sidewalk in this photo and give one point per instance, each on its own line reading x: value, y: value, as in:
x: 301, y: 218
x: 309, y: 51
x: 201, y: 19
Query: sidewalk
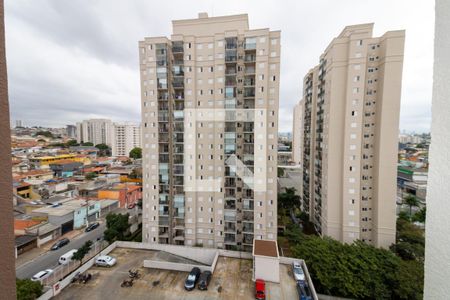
x: 36, y: 252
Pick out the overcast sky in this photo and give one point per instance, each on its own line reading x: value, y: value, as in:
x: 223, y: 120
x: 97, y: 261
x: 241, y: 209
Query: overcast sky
x: 72, y: 60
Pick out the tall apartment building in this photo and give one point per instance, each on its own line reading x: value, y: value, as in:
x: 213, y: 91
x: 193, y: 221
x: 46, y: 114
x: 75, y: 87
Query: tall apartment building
x: 297, y: 133
x: 125, y: 137
x: 350, y: 115
x: 71, y: 131
x: 210, y: 119
x: 96, y: 131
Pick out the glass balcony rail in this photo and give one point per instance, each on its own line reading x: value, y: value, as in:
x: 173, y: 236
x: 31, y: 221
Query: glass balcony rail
x: 249, y: 149
x: 230, y: 204
x: 178, y: 148
x: 163, y: 189
x: 163, y: 96
x: 178, y: 180
x: 230, y: 182
x: 178, y: 159
x: 249, y: 92
x: 248, y: 239
x: 163, y: 148
x: 163, y: 117
x: 230, y: 227
x: 230, y: 192
x: 178, y: 115
x: 178, y: 170
x: 178, y: 137
x: 248, y: 127
x: 249, y: 103
x: 230, y: 57
x: 163, y: 199
x: 249, y: 70
x: 177, y: 70
x: 230, y: 81
x: 230, y: 238
x: 247, y: 204
x: 231, y: 43
x: 248, y: 227
x: 248, y: 138
x: 163, y: 211
x: 230, y: 216
x: 230, y: 103
x: 163, y: 158
x: 250, y: 43
x: 230, y: 92
x: 178, y: 83
x: 248, y: 159
x: 163, y: 233
x: 178, y: 96
x: 230, y: 71
x: 178, y: 127
x: 178, y: 190
x: 163, y: 222
x: 161, y: 62
x: 230, y: 127
x: 230, y: 149
x: 250, y: 58
x: 178, y: 106
x: 249, y: 82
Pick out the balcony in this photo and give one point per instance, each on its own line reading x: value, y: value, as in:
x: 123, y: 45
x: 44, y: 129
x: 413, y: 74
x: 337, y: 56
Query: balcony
x: 163, y: 233
x: 249, y: 92
x: 250, y: 58
x: 178, y: 127
x: 230, y: 227
x: 178, y: 84
x: 248, y: 239
x: 250, y: 43
x: 178, y: 96
x: 230, y: 204
x: 230, y: 216
x: 248, y: 127
x: 178, y: 159
x: 230, y: 238
x: 248, y: 216
x: 248, y: 204
x: 231, y: 43
x: 249, y: 70
x: 249, y: 81
x: 163, y: 158
x: 178, y: 223
x: 231, y: 70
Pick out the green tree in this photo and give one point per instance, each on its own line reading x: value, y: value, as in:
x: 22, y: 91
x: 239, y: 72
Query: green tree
x: 104, y: 150
x: 136, y: 153
x: 82, y: 251
x: 27, y: 289
x: 411, y: 201
x: 90, y: 176
x: 116, y: 227
x: 403, y: 215
x: 45, y: 133
x: 87, y: 144
x: 420, y: 215
x: 71, y: 143
x: 280, y: 172
x: 288, y: 200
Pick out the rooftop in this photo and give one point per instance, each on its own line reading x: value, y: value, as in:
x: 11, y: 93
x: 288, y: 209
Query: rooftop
x: 232, y: 279
x: 265, y: 248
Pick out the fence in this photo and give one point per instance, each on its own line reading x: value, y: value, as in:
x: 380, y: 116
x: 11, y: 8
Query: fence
x: 62, y: 271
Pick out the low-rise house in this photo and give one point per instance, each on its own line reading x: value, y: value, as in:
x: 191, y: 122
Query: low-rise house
x: 126, y: 194
x: 65, y: 168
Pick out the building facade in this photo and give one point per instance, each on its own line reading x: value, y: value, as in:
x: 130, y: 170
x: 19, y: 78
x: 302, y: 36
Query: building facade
x: 210, y: 120
x: 126, y: 136
x: 297, y: 133
x: 95, y: 131
x: 71, y: 131
x: 350, y: 113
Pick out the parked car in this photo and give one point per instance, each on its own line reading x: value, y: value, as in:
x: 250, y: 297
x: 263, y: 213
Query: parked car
x: 192, y: 279
x: 66, y: 257
x: 42, y: 275
x: 105, y: 261
x: 131, y: 205
x: 59, y: 244
x: 299, y: 275
x: 92, y: 226
x: 204, y: 280
x: 303, y: 291
x: 260, y: 289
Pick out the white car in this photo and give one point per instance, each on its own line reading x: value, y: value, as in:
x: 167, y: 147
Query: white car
x: 105, y: 261
x: 299, y: 275
x: 42, y: 275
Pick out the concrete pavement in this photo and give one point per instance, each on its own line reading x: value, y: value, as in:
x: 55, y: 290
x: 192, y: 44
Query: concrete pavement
x: 49, y: 260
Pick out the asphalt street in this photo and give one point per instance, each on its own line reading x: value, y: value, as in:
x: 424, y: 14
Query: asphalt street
x: 49, y: 260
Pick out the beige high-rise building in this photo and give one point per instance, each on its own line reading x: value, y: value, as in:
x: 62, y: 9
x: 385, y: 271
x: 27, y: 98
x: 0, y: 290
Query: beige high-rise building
x: 96, y: 131
x: 210, y: 121
x: 350, y: 116
x: 297, y: 134
x: 125, y: 137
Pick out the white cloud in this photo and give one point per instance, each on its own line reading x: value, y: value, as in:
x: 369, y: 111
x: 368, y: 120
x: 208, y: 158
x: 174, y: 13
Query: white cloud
x: 68, y: 61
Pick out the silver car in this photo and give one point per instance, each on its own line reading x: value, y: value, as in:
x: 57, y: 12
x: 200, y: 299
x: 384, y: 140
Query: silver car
x: 299, y: 275
x: 105, y: 261
x: 39, y: 276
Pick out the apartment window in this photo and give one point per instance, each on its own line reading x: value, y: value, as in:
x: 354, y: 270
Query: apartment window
x: 220, y: 44
x: 273, y: 41
x: 357, y: 67
x: 273, y: 78
x: 359, y: 43
x: 273, y: 54
x: 356, y: 78
x: 261, y: 65
x: 211, y: 69
x: 210, y: 45
x: 355, y: 90
x: 273, y: 66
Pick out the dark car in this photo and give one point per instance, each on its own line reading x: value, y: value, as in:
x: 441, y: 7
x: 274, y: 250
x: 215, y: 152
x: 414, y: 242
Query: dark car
x: 303, y: 291
x: 192, y: 279
x: 92, y: 226
x: 59, y: 244
x: 204, y: 280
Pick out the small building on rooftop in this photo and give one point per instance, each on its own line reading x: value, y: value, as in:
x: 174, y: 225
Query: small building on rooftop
x: 266, y: 260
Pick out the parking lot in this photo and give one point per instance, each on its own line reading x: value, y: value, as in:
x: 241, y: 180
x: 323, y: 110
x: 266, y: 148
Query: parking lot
x: 232, y: 279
